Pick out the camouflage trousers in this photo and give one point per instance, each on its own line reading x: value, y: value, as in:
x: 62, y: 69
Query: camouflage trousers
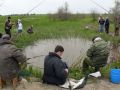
x: 86, y: 63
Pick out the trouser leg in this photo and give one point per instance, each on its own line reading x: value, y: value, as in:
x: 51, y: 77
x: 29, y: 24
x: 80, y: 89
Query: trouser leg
x: 97, y: 69
x: 107, y: 29
x: 86, y: 64
x: 7, y: 31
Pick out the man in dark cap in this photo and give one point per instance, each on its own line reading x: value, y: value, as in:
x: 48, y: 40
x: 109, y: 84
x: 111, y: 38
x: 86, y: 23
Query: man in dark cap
x: 10, y: 60
x: 8, y: 26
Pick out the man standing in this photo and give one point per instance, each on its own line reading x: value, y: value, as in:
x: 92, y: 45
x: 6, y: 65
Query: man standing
x: 97, y: 55
x: 11, y: 58
x: 101, y: 24
x: 117, y: 25
x: 8, y: 26
x: 107, y: 24
x: 55, y: 70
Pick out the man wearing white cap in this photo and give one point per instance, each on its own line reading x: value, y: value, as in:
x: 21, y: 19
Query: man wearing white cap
x: 97, y: 55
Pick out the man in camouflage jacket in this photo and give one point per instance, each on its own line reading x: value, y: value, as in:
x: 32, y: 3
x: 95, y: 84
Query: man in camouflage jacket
x: 97, y: 55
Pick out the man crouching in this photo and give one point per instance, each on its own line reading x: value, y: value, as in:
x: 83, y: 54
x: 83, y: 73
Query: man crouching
x: 10, y: 60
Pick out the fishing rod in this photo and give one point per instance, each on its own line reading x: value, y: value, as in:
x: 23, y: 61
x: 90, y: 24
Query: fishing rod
x: 35, y: 6
x: 35, y: 57
x: 99, y: 6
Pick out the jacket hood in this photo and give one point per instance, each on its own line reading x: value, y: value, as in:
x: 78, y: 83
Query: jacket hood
x: 54, y: 54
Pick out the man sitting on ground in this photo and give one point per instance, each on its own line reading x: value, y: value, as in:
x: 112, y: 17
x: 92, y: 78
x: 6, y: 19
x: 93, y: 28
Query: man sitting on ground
x: 10, y: 60
x: 97, y: 55
x: 55, y: 70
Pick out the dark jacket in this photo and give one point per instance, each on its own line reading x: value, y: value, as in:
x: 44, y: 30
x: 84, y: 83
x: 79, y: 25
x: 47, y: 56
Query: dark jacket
x: 99, y: 53
x: 107, y: 22
x: 101, y: 21
x: 54, y: 72
x: 10, y: 58
x: 8, y: 26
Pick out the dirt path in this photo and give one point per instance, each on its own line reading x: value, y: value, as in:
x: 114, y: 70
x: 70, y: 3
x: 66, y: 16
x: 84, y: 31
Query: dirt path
x: 92, y: 84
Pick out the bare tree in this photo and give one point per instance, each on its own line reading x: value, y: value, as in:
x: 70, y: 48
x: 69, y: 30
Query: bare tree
x: 94, y: 14
x: 63, y: 13
x: 116, y: 15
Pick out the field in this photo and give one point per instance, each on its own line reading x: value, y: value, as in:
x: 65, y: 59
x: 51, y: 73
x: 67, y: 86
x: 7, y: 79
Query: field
x: 45, y: 28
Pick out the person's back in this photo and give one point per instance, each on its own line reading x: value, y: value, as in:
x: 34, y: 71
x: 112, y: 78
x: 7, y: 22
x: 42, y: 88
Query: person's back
x: 107, y: 24
x: 10, y: 58
x: 98, y: 53
x: 54, y: 70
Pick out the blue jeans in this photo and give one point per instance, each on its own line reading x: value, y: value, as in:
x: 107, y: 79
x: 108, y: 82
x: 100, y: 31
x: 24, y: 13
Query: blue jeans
x: 101, y: 28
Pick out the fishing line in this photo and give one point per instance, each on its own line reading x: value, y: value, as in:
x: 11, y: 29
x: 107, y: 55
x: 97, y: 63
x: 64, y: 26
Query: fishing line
x: 36, y: 6
x: 99, y: 6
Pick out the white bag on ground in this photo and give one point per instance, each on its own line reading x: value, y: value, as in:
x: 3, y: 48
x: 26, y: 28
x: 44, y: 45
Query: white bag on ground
x: 95, y: 74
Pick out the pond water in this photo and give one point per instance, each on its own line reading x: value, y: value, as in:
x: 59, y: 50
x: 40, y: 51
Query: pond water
x: 74, y: 48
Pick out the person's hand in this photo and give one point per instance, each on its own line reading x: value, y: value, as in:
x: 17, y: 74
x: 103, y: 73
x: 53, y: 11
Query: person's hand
x: 66, y: 70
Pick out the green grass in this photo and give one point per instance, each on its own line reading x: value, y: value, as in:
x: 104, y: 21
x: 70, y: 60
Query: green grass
x: 76, y: 72
x: 31, y: 72
x: 45, y: 28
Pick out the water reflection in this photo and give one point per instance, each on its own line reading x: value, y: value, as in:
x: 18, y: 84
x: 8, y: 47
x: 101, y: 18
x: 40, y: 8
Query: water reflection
x: 74, y: 48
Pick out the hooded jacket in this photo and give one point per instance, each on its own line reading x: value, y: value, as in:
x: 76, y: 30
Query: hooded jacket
x: 54, y: 70
x: 10, y: 58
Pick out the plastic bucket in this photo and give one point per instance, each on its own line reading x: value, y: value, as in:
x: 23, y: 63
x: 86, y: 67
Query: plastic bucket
x: 115, y: 75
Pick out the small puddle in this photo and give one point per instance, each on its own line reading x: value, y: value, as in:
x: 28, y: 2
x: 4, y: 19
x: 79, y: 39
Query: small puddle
x: 74, y: 48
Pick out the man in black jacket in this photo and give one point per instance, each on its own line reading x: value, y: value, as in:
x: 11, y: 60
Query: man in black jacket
x: 55, y: 70
x: 8, y: 26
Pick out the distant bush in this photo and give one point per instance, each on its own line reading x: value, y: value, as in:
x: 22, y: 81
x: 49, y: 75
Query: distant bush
x: 62, y: 13
x: 94, y: 15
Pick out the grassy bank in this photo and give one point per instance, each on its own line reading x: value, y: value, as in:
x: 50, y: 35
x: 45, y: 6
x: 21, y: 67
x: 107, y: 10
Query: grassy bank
x: 46, y: 28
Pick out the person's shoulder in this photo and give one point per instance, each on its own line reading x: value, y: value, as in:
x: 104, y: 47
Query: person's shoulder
x: 6, y: 21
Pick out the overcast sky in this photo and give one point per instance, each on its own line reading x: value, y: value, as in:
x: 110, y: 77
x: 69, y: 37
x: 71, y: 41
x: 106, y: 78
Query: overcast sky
x: 50, y: 6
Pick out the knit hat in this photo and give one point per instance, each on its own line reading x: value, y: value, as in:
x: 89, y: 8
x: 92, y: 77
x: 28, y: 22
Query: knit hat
x: 96, y: 38
x: 6, y: 36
